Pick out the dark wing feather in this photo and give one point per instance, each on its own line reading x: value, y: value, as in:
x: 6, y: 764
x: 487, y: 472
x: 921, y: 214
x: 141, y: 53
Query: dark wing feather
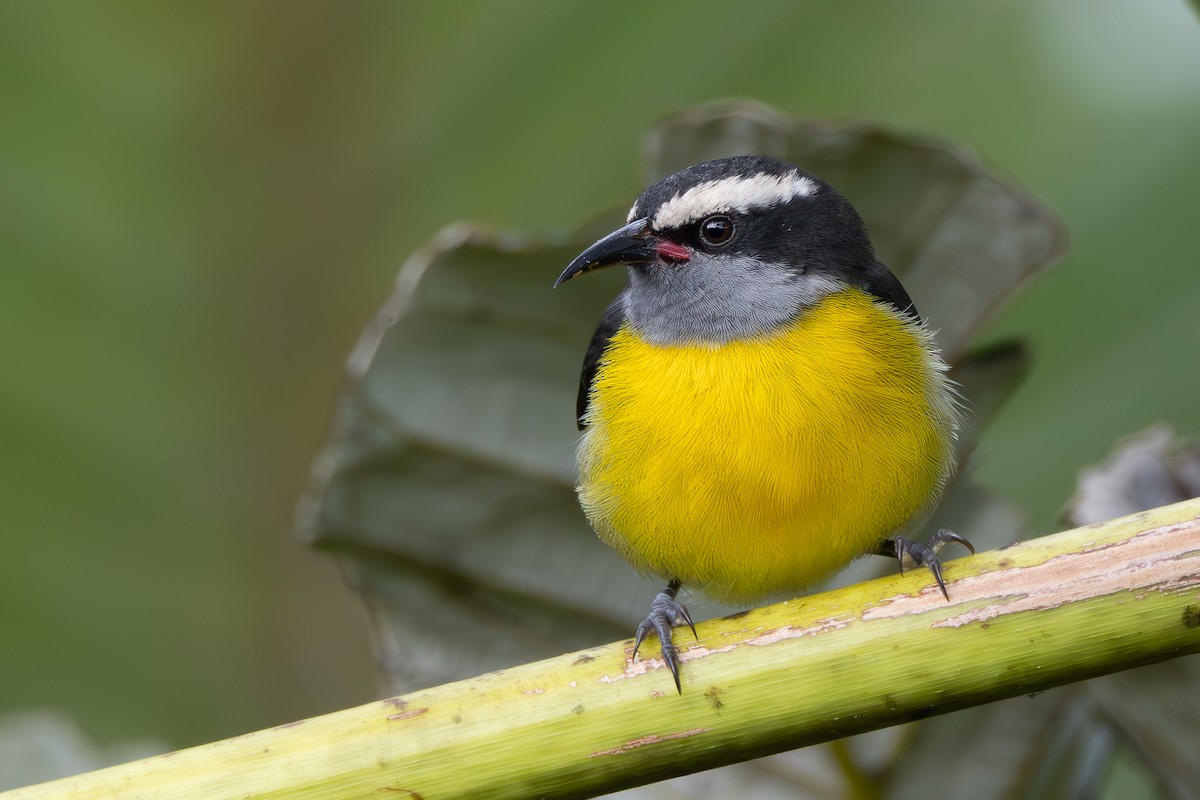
x: 614, y: 317
x: 880, y: 282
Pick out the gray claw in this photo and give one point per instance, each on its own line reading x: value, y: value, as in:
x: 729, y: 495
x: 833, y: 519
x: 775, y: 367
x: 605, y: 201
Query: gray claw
x: 665, y: 613
x: 910, y: 553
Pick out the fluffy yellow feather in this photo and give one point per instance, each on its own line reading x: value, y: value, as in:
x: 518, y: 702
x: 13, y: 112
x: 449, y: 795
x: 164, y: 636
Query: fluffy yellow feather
x: 778, y: 459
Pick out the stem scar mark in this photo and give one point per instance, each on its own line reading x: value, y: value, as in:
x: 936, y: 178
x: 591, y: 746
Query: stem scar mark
x: 642, y: 741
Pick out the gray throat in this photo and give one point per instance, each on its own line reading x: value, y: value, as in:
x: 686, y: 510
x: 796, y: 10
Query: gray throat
x: 707, y: 303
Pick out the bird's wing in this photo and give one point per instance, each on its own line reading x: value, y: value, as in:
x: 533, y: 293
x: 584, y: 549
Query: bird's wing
x: 882, y: 283
x: 614, y: 317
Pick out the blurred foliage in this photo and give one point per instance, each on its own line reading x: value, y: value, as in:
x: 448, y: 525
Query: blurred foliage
x: 202, y: 205
x: 37, y: 746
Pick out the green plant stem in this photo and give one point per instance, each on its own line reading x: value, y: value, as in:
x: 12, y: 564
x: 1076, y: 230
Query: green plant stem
x: 1020, y: 620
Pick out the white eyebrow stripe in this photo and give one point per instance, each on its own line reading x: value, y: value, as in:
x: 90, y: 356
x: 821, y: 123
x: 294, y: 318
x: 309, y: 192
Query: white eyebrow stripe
x: 733, y: 194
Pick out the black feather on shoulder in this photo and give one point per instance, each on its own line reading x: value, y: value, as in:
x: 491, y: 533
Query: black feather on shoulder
x: 614, y: 317
x: 880, y: 282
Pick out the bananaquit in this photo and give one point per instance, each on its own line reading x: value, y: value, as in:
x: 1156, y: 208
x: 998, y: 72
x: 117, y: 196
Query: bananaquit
x: 761, y: 404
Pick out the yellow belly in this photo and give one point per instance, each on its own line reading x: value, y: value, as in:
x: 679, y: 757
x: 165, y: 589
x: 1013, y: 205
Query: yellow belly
x: 757, y: 467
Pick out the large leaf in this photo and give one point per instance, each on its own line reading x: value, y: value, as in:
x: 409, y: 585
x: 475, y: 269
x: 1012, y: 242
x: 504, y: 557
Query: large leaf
x: 447, y: 485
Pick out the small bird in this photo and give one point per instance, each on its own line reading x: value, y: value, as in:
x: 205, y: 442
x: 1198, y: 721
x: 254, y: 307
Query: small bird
x: 761, y: 404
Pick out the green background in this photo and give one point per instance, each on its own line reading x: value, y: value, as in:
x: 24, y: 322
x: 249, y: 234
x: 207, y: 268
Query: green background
x: 202, y: 204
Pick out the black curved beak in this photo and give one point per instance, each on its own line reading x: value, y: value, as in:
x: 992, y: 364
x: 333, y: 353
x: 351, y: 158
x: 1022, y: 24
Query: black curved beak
x: 631, y: 244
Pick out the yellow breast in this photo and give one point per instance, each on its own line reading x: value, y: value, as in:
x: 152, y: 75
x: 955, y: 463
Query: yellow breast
x: 756, y: 467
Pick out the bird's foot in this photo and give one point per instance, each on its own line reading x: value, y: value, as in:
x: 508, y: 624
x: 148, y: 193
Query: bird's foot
x: 912, y: 554
x: 665, y: 613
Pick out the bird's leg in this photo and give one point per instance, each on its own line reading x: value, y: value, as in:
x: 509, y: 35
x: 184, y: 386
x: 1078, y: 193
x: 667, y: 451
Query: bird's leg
x: 665, y: 613
x: 913, y: 554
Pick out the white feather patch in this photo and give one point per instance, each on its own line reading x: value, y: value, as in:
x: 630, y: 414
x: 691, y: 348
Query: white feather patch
x: 731, y: 195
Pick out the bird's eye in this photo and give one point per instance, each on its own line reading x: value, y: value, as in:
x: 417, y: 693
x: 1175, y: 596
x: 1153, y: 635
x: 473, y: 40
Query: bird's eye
x: 716, y: 229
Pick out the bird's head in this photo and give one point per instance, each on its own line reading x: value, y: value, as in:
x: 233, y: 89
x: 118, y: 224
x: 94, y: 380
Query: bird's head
x: 730, y: 249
